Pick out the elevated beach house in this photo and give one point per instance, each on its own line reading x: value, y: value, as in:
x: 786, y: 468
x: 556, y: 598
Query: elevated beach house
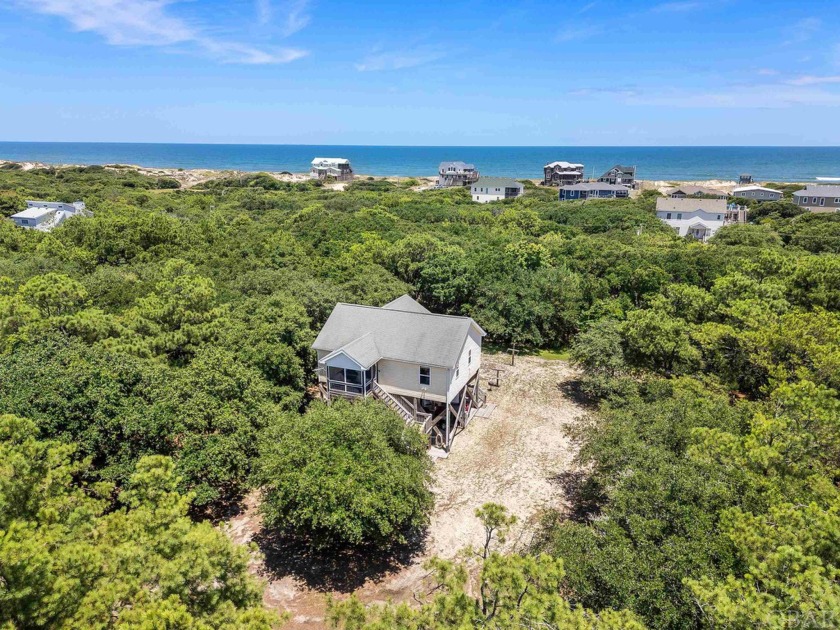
x: 698, y: 192
x: 758, y: 193
x: 422, y: 365
x: 451, y: 174
x: 818, y: 198
x: 698, y: 218
x: 46, y: 215
x: 592, y: 190
x: 487, y: 189
x: 337, y: 168
x: 562, y: 173
x: 618, y: 174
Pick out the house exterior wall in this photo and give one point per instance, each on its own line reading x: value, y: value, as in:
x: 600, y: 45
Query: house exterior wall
x: 567, y: 195
x: 759, y: 195
x: 482, y: 194
x: 398, y: 377
x: 466, y: 367
x: 33, y: 222
x: 682, y: 221
x: 817, y: 203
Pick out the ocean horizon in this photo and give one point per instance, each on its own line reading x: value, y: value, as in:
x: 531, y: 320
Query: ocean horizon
x: 784, y: 164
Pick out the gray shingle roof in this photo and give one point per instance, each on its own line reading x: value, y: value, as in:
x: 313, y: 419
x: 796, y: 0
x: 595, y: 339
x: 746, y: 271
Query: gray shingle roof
x: 696, y: 190
x: 411, y: 336
x: 690, y: 204
x: 497, y: 182
x: 457, y: 164
x: 362, y: 350
x: 406, y: 303
x: 817, y: 190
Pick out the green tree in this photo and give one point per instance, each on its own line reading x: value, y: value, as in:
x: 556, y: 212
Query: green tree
x: 344, y: 474
x: 67, y: 563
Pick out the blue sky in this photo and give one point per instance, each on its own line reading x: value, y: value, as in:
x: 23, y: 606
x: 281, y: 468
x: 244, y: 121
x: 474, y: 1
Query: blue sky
x: 469, y: 72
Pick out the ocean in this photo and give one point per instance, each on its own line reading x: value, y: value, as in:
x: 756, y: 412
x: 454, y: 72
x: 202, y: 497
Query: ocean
x: 794, y: 164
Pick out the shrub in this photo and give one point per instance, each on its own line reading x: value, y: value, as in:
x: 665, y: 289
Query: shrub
x: 344, y: 474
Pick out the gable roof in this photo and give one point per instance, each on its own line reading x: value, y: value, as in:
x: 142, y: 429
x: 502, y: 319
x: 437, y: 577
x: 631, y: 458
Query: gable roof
x: 367, y: 334
x: 818, y: 190
x: 497, y: 182
x: 672, y: 204
x: 626, y: 170
x: 562, y: 164
x: 748, y: 188
x: 696, y: 190
x: 406, y: 303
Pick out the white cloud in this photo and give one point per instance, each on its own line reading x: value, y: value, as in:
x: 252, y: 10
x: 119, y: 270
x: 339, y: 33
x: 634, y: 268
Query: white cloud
x: 767, y: 96
x: 676, y: 7
x: 810, y: 79
x: 297, y: 17
x: 380, y: 60
x: 576, y: 33
x: 767, y: 72
x: 151, y: 23
x: 802, y: 31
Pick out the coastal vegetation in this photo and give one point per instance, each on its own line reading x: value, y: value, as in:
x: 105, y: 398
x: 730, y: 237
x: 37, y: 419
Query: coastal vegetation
x: 155, y: 358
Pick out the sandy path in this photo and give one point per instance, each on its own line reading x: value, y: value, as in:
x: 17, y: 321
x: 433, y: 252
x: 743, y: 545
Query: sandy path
x: 510, y: 457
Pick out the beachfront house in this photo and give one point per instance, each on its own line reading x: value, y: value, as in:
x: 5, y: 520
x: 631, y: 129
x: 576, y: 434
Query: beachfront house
x: 562, y: 173
x: 46, y: 215
x: 422, y: 365
x: 618, y: 174
x: 698, y: 192
x: 336, y: 168
x: 592, y: 190
x: 487, y: 189
x: 451, y: 174
x: 757, y: 193
x: 698, y: 218
x: 745, y: 179
x: 818, y: 198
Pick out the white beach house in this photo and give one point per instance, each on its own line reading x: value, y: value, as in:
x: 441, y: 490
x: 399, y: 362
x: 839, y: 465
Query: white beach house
x: 488, y: 189
x: 698, y: 218
x: 422, y: 365
x: 338, y: 168
x: 46, y: 215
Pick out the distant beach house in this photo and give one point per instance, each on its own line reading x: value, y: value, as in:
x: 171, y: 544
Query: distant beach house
x: 46, y: 215
x: 488, y: 189
x: 593, y: 190
x: 422, y: 365
x: 624, y: 175
x: 696, y: 191
x: 817, y: 198
x: 758, y: 193
x: 452, y: 174
x: 562, y: 173
x: 745, y: 179
x: 338, y: 168
x: 698, y: 218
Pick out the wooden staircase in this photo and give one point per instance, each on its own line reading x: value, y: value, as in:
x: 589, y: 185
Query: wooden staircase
x: 393, y: 403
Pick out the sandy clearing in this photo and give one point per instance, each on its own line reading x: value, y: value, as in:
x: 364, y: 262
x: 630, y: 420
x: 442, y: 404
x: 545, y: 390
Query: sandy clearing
x: 511, y: 458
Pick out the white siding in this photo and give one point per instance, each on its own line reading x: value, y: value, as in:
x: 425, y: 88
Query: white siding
x: 466, y: 368
x: 404, y: 378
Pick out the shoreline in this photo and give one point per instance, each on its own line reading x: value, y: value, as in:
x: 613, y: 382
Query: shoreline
x: 190, y: 177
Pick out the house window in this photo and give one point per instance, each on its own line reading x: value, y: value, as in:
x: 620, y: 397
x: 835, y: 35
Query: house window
x: 350, y: 381
x: 679, y: 215
x: 718, y: 218
x: 822, y: 201
x: 469, y: 356
x: 457, y: 372
x: 837, y: 200
x: 425, y: 376
x: 668, y: 216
